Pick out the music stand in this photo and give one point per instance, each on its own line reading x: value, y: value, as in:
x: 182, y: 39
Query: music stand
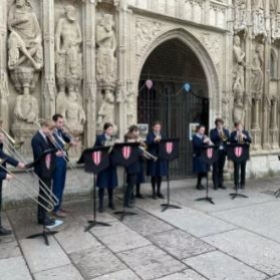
x: 125, y: 154
x: 238, y: 153
x: 95, y: 160
x: 209, y: 155
x: 168, y: 151
x: 47, y: 171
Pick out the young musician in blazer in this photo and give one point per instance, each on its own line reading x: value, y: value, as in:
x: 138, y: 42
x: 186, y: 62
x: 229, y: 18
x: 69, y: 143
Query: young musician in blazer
x: 219, y: 136
x: 156, y: 169
x: 59, y: 174
x: 199, y: 141
x: 241, y: 136
x: 44, y: 166
x: 107, y: 178
x: 5, y: 176
x: 134, y: 169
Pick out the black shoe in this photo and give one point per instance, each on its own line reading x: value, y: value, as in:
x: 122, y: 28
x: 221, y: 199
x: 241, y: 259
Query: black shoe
x: 154, y: 196
x: 100, y: 209
x: 112, y: 206
x: 47, y: 222
x: 128, y: 205
x: 160, y: 195
x: 222, y: 187
x: 235, y: 188
x: 4, y: 231
x: 215, y: 188
x: 200, y: 187
x: 242, y: 186
x: 139, y: 195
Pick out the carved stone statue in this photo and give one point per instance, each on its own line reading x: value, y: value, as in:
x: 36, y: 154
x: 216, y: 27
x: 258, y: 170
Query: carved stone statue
x: 73, y: 114
x: 106, y: 62
x: 240, y: 16
x: 257, y: 70
x: 107, y: 110
x: 68, y: 38
x: 130, y: 107
x: 238, y: 113
x: 258, y: 18
x: 25, y: 60
x: 238, y: 68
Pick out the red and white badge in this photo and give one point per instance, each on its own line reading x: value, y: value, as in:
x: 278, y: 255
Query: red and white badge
x: 238, y: 151
x: 126, y: 151
x: 169, y: 147
x: 96, y: 157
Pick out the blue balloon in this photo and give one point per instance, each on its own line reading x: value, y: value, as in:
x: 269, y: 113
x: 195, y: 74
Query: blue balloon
x: 187, y: 87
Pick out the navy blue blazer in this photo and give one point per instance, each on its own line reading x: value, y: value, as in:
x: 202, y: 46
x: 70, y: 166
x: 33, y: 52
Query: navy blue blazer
x: 233, y: 139
x: 159, y: 167
x: 215, y: 138
x: 8, y: 160
x: 107, y: 178
x: 39, y: 145
x: 198, y: 165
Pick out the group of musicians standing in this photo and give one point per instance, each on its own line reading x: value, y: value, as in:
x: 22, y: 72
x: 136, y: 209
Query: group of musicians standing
x: 221, y: 137
x: 51, y: 167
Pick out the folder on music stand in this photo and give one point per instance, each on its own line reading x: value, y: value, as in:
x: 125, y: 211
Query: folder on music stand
x: 238, y: 153
x: 95, y: 160
x: 125, y: 154
x: 209, y: 155
x: 168, y: 151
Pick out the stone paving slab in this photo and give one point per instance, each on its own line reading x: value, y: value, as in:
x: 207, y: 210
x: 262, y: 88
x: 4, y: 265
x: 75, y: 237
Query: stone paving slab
x: 116, y: 228
x: 126, y: 274
x: 277, y: 277
x: 263, y: 219
x: 74, y: 238
x: 254, y: 250
x: 96, y: 261
x: 180, y: 244
x: 219, y: 266
x: 14, y: 269
x: 151, y: 262
x: 9, y: 250
x: 146, y: 225
x: 36, y: 253
x: 188, y: 274
x: 192, y: 221
x: 67, y: 272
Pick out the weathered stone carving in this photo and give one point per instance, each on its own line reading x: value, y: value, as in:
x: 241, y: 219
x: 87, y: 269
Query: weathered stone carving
x: 73, y: 113
x: 25, y: 58
x: 257, y: 70
x: 240, y: 16
x: 238, y: 113
x: 238, y: 68
x: 130, y: 107
x: 106, y: 112
x: 68, y: 55
x: 258, y: 18
x: 106, y: 63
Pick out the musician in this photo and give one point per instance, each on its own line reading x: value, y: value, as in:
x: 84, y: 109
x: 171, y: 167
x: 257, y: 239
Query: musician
x: 199, y: 141
x: 44, y: 166
x: 5, y: 176
x: 59, y: 173
x: 106, y: 179
x: 219, y: 136
x: 155, y: 169
x: 240, y: 136
x: 133, y: 171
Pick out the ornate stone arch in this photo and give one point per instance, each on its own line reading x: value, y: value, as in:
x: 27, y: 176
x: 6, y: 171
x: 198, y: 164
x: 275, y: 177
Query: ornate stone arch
x: 204, y: 58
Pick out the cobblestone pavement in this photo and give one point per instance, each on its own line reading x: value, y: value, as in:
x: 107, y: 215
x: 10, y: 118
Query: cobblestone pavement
x: 233, y: 239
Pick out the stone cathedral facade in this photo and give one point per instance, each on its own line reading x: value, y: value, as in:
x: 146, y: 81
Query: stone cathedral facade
x: 86, y: 59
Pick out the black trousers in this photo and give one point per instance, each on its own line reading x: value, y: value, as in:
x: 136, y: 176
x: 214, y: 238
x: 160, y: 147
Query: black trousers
x: 200, y: 175
x: 131, y: 181
x: 1, y: 183
x: 218, y: 169
x: 240, y: 168
x: 41, y: 212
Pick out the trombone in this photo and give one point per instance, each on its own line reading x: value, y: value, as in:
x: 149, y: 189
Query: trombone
x: 143, y: 147
x: 15, y: 144
x: 24, y: 189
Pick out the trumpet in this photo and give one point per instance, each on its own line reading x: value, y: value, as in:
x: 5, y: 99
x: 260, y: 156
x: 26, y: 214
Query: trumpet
x: 222, y: 136
x: 15, y: 144
x: 240, y: 138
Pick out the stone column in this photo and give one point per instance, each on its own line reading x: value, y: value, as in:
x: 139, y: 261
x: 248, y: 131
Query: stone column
x: 274, y: 132
x: 48, y: 82
x: 89, y: 86
x: 4, y: 90
x: 256, y: 131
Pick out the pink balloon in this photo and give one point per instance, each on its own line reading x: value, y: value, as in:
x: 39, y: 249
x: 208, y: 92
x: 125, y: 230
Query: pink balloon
x: 149, y: 84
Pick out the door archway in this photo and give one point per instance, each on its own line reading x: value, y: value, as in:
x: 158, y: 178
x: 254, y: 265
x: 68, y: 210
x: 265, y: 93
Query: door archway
x: 170, y: 65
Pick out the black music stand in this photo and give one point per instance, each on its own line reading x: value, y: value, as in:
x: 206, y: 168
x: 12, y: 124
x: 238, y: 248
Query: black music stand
x: 47, y: 170
x: 95, y: 160
x: 238, y: 153
x: 168, y: 151
x: 209, y: 155
x: 125, y: 154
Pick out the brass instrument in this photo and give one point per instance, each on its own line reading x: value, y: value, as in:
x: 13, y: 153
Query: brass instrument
x: 143, y: 147
x: 222, y: 136
x: 15, y: 144
x: 207, y: 140
x: 240, y: 138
